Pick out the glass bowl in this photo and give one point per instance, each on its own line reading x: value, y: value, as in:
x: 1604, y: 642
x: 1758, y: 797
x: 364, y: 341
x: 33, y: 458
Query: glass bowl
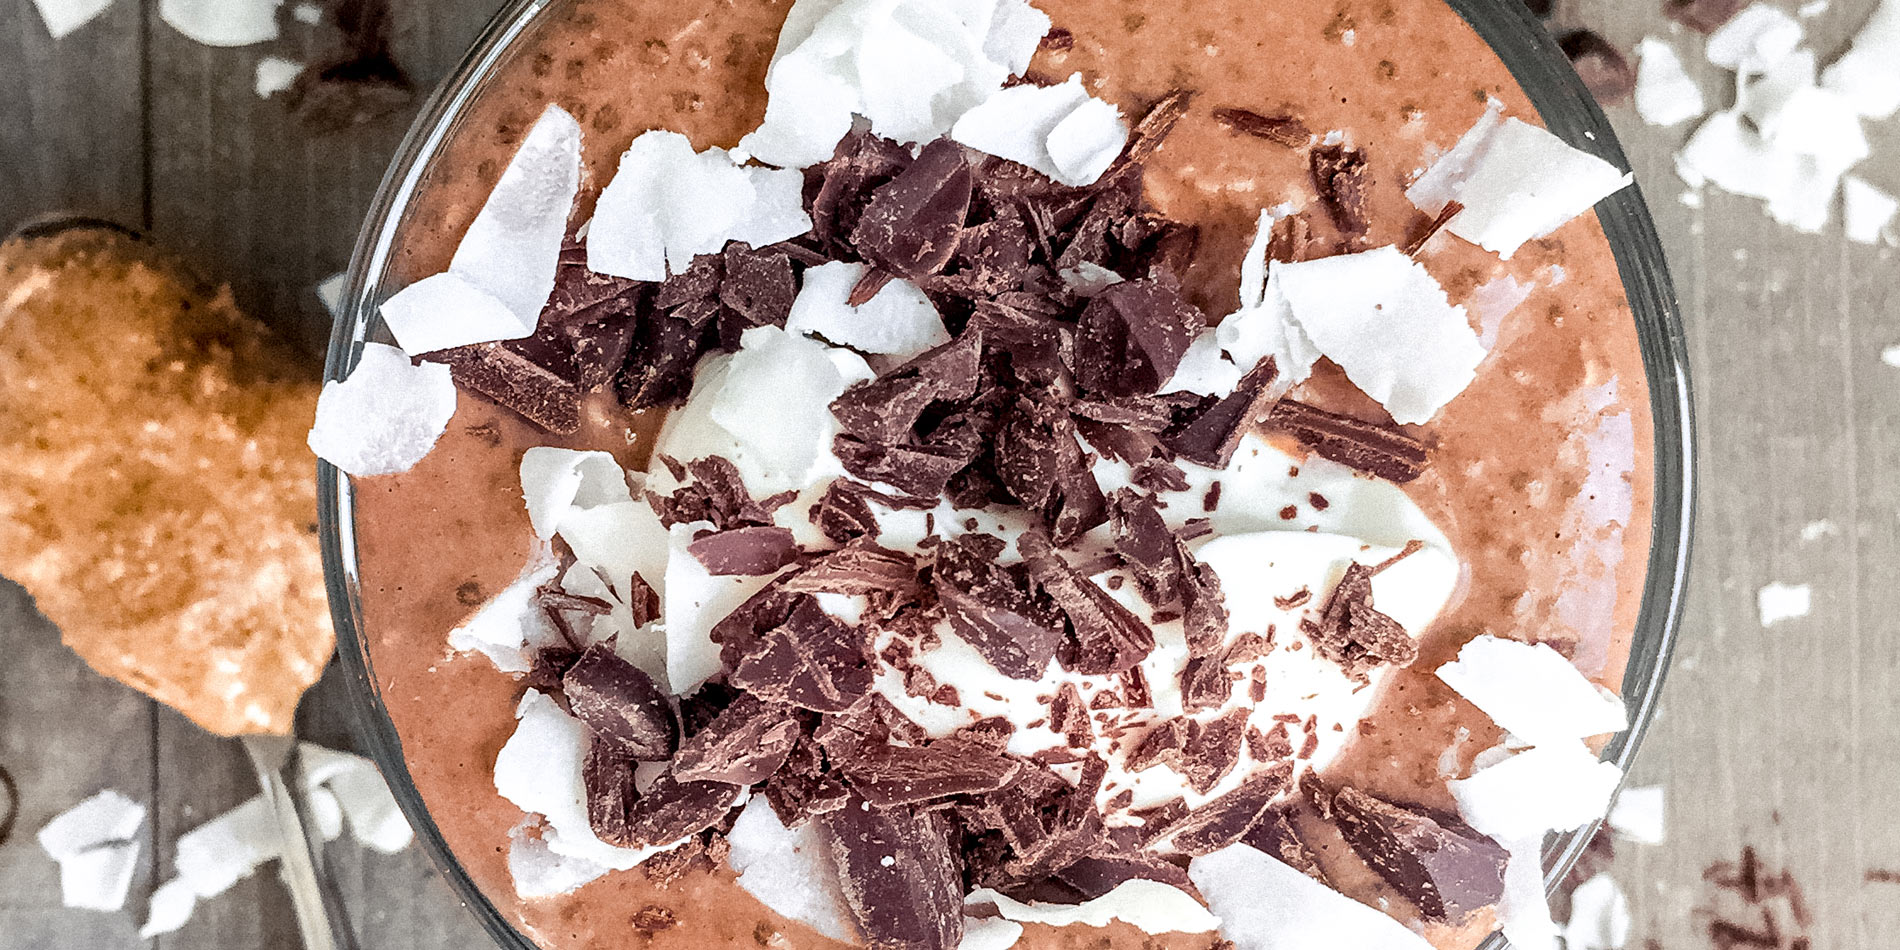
x: 1526, y: 49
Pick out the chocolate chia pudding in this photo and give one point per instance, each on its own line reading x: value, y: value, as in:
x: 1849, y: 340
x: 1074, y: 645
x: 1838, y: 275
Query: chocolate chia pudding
x: 872, y: 540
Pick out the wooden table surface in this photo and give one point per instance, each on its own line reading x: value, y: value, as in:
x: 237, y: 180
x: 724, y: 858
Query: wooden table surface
x: 1785, y: 739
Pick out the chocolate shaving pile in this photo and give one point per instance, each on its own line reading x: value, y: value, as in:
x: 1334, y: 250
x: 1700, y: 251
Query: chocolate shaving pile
x: 1437, y: 861
x: 1353, y: 634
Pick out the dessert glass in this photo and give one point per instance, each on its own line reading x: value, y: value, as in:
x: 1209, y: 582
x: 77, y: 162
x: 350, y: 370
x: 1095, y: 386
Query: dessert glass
x: 1506, y: 25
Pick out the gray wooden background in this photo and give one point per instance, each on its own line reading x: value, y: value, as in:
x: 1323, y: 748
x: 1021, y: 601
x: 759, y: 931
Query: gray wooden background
x: 1786, y: 740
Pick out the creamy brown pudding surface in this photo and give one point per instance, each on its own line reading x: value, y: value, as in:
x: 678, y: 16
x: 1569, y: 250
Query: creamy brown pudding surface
x: 1538, y: 473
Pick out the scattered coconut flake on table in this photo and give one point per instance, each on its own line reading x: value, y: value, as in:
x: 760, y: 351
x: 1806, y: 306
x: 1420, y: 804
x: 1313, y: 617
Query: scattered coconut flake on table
x: 170, y: 908
x: 94, y: 845
x: 1266, y: 905
x: 1599, y: 916
x: 1059, y: 130
x: 1523, y: 909
x: 989, y: 933
x: 1383, y: 318
x: 222, y: 22
x: 329, y: 292
x: 1665, y: 95
x: 360, y: 793
x: 98, y: 878
x: 1869, y: 212
x: 1754, y: 39
x: 1151, y: 906
x: 1547, y: 788
x: 386, y: 416
x: 275, y: 74
x: 62, y: 17
x: 1776, y: 602
x: 228, y: 848
x: 1866, y: 74
x: 667, y: 204
x: 1517, y: 183
x: 1725, y: 152
x: 308, y: 14
x: 1638, y: 814
x: 503, y: 269
x: 1532, y: 692
x: 790, y: 870
x: 898, y: 321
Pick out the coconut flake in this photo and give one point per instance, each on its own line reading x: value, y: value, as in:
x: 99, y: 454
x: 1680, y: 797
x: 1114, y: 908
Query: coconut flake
x: 1523, y: 909
x: 668, y: 204
x: 694, y: 600
x: 1089, y: 278
x: 1638, y: 814
x: 1204, y: 369
x: 1777, y: 602
x: 219, y: 853
x: 1532, y: 692
x: 1152, y: 906
x: 1263, y: 326
x: 275, y: 74
x: 170, y: 907
x: 555, y: 479
x: 512, y: 624
x: 329, y: 292
x: 538, y: 872
x: 1516, y: 181
x: 386, y: 416
x: 361, y: 796
x: 222, y: 22
x: 1383, y: 318
x: 1058, y: 130
x: 989, y: 933
x: 104, y: 819
x: 98, y: 878
x: 1868, y: 210
x: 1015, y: 33
x: 309, y: 14
x: 64, y: 16
x: 790, y: 870
x: 898, y: 321
x: 1724, y: 151
x: 1547, y: 788
x: 1754, y: 40
x: 1865, y: 75
x: 618, y: 540
x: 1266, y: 905
x: 1599, y: 916
x: 1665, y: 95
x: 325, y: 812
x: 446, y: 310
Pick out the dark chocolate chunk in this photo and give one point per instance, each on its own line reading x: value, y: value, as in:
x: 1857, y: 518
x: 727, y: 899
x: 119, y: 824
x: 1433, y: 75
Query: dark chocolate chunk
x: 1438, y: 862
x: 620, y: 704
x: 1069, y: 717
x: 1606, y: 72
x: 1351, y: 633
x: 992, y: 258
x: 1381, y: 451
x: 746, y: 551
x: 889, y: 776
x: 1211, y: 435
x: 715, y: 493
x: 546, y: 390
x: 992, y: 609
x: 1425, y: 234
x: 871, y: 721
x: 671, y: 809
x: 1057, y: 40
x: 607, y: 778
x: 1224, y: 820
x: 838, y: 189
x: 1035, y: 827
x: 1165, y: 744
x: 1036, y: 451
x: 1340, y: 173
x: 1204, y: 683
x: 1284, y: 130
x: 861, y: 569
x: 1214, y: 750
x: 1290, y: 239
x: 758, y: 284
x: 643, y: 602
x: 1156, y: 475
x: 659, y: 366
x: 1703, y: 16
x: 699, y: 281
x: 912, y: 223
x: 1131, y: 337
x: 653, y: 918
x: 1155, y: 124
x: 810, y: 660
x: 356, y: 87
x: 900, y: 874
x: 801, y: 788
x: 1143, y: 538
x: 743, y: 745
x: 1204, y: 607
x: 578, y: 290
x: 844, y: 512
x: 923, y: 470
x: 1107, y: 637
x: 886, y: 408
x: 1275, y: 836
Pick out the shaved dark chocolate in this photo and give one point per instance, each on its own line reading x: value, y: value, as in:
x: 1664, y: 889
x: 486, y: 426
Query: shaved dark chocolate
x: 1213, y: 750
x: 992, y: 609
x: 1204, y: 683
x: 1290, y: 239
x: 578, y: 289
x: 1284, y: 130
x: 1131, y: 337
x: 923, y: 470
x: 886, y: 408
x: 810, y: 660
x: 1211, y: 435
x: 1351, y: 633
x: 801, y: 789
x: 1382, y: 451
x: 1344, y: 182
x: 743, y: 745
x: 1606, y: 72
x: 888, y: 776
x: 1069, y: 717
x: 620, y: 704
x: 838, y: 189
x: 1165, y: 744
x: 1275, y: 836
x: 900, y: 875
x: 992, y: 258
x: 607, y: 778
x: 543, y: 389
x: 844, y: 512
x: 861, y: 569
x: 716, y: 493
x: 1096, y: 874
x: 1203, y: 605
x: 1106, y: 637
x: 659, y: 366
x: 758, y: 285
x: 699, y: 281
x: 1703, y: 16
x: 1155, y: 124
x: 747, y: 551
x: 1143, y: 538
x: 1425, y: 234
x: 671, y: 809
x: 1438, y: 862
x: 1035, y: 827
x: 912, y: 224
x: 1223, y: 821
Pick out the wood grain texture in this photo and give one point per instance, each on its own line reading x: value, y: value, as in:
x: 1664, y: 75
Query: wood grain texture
x: 1782, y: 739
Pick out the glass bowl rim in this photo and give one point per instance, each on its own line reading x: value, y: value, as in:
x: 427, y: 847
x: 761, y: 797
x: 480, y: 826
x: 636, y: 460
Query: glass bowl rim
x: 1540, y: 69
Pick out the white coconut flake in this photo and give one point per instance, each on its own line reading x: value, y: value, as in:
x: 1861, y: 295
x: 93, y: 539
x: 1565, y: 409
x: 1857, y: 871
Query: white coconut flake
x: 1517, y: 183
x: 692, y: 602
x: 1265, y: 905
x: 222, y: 22
x: 329, y: 292
x: 171, y: 907
x: 360, y: 794
x: 219, y: 853
x: 1665, y: 95
x: 1724, y: 151
x: 1765, y: 97
x: 1638, y: 814
x: 1058, y: 130
x: 62, y: 17
x: 1866, y: 75
x: 1264, y: 326
x: 790, y: 870
x: 618, y: 540
x: 989, y: 933
x: 1547, y: 788
x: 1776, y: 602
x: 1523, y: 908
x: 1152, y: 906
x: 898, y: 321
x: 1088, y: 279
x: 1203, y: 369
x: 98, y: 878
x: 105, y: 818
x: 1754, y: 40
x: 386, y: 416
x: 1599, y: 916
x: 325, y: 812
x: 512, y: 624
x: 1869, y: 211
x: 1087, y: 141
x: 275, y: 74
x: 1383, y: 318
x: 555, y: 479
x: 309, y: 14
x: 538, y: 872
x: 1532, y: 692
